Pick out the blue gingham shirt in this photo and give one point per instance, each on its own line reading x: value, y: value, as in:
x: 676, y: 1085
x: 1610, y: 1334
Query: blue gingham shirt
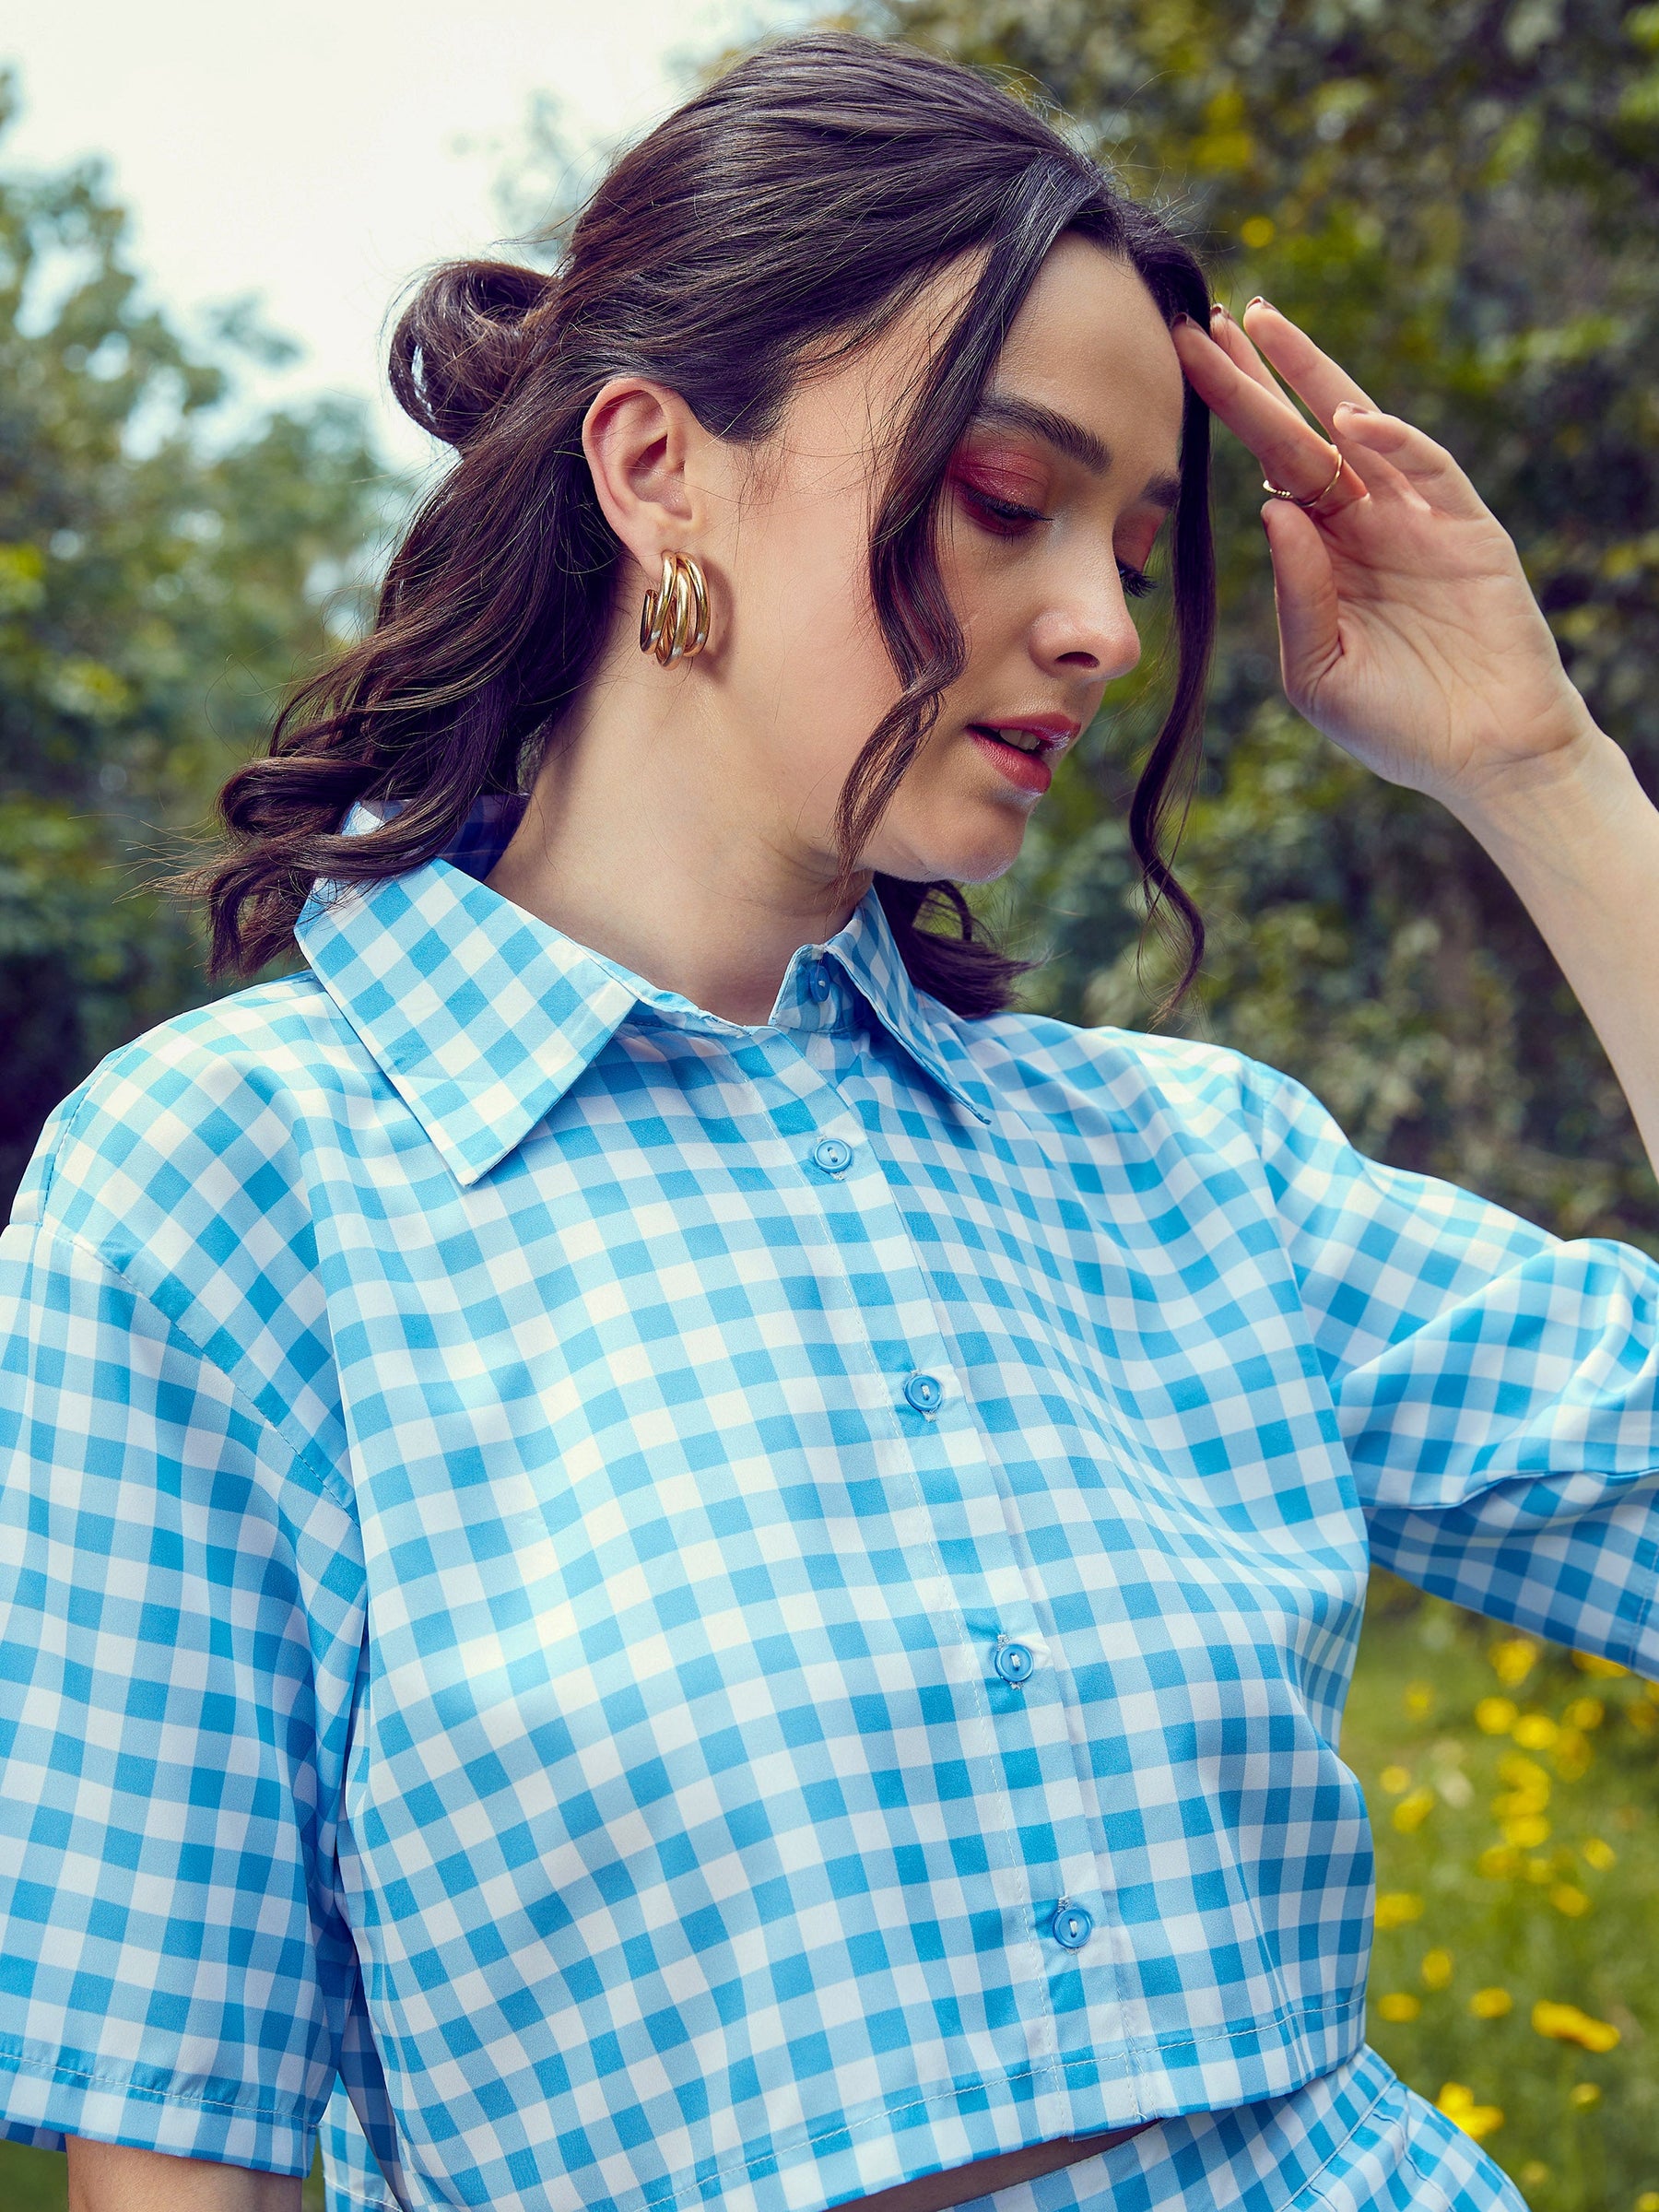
x: 711, y: 1612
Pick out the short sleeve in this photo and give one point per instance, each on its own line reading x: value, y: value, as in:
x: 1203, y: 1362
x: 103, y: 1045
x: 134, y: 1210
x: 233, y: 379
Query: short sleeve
x: 180, y: 1628
x: 1497, y: 1387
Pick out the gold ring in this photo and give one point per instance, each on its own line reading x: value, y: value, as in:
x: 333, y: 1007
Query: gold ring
x: 1307, y: 505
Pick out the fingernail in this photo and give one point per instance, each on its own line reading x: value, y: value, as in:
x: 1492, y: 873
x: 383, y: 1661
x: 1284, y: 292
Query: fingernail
x: 1352, y: 406
x: 1184, y: 322
x: 1258, y: 301
x: 1218, y: 308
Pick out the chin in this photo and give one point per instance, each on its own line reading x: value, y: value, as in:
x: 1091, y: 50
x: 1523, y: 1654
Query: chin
x: 960, y: 844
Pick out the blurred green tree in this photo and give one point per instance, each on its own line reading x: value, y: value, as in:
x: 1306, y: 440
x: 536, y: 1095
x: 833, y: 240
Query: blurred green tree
x: 1458, y: 199
x: 162, y: 576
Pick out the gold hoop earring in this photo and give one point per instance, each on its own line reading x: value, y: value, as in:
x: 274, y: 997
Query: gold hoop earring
x: 674, y: 620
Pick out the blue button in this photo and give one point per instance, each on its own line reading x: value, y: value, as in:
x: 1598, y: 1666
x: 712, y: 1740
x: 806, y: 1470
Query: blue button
x: 924, y: 1392
x: 817, y: 982
x: 1073, y: 1926
x: 831, y: 1155
x: 1014, y: 1663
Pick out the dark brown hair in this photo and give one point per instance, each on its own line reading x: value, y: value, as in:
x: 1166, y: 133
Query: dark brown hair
x: 797, y: 204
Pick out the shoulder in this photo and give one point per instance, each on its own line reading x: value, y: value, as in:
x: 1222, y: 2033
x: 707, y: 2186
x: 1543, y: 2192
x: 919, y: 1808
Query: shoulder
x: 196, y: 1162
x: 215, y: 1100
x: 1177, y: 1088
x: 194, y: 1169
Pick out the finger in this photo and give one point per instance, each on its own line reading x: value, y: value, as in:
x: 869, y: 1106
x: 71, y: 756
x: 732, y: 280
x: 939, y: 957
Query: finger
x: 1305, y: 598
x: 1226, y: 332
x: 1319, y: 381
x: 1412, y: 459
x: 1292, y: 453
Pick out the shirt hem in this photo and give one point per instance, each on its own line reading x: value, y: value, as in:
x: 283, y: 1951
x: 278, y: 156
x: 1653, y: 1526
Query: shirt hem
x: 1145, y: 2080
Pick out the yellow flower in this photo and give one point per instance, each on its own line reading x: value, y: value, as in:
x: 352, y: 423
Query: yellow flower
x: 1419, y: 1700
x: 1598, y: 1854
x: 1436, y: 1968
x: 1566, y: 2024
x: 1456, y: 2099
x: 1583, y: 2094
x: 1527, y: 1832
x: 1647, y: 2202
x: 1573, y: 1754
x: 1395, y: 1907
x: 1395, y: 1779
x: 1534, y: 2173
x: 1499, y: 1863
x: 1258, y: 230
x: 1496, y: 1716
x: 1536, y: 1731
x: 1411, y: 1812
x: 1566, y: 1897
x: 1585, y: 1713
x: 1399, y: 2005
x: 1513, y: 1659
x: 1491, y: 2004
x: 1588, y: 1663
x: 1539, y: 1870
x: 1525, y: 1775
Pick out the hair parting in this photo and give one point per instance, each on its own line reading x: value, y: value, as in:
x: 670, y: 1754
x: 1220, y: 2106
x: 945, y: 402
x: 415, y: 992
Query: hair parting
x: 784, y: 215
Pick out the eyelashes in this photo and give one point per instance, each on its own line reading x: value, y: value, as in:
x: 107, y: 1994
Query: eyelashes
x: 1008, y: 518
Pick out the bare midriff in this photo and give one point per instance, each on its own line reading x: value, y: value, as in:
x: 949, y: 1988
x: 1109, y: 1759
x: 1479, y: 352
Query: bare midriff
x: 961, y: 2184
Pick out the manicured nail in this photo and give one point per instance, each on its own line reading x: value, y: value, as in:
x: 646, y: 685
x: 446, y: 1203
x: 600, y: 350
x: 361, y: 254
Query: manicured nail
x: 1258, y: 301
x: 1217, y: 308
x: 1352, y: 406
x: 1185, y: 322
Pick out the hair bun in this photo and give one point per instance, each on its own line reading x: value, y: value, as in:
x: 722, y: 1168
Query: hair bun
x: 458, y: 347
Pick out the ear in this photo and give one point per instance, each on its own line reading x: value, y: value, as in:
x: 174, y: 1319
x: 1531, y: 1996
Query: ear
x: 638, y: 437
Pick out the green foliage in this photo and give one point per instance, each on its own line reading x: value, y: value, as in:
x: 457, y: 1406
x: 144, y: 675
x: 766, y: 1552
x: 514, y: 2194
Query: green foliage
x: 1514, y: 1795
x: 161, y: 580
x: 1458, y: 200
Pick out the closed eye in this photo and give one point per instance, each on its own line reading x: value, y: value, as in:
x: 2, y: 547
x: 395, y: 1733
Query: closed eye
x: 1008, y: 518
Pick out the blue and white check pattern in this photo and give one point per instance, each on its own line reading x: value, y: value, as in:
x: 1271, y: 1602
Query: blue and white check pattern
x: 713, y: 1613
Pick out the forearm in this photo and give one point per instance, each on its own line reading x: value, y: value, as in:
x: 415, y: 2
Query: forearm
x: 1578, y: 840
x: 111, y: 2177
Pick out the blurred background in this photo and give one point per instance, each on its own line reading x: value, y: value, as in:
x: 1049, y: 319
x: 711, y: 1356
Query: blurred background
x: 205, y: 215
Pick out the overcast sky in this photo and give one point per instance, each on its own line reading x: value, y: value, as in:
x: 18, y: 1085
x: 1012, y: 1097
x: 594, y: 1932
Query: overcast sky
x: 318, y: 152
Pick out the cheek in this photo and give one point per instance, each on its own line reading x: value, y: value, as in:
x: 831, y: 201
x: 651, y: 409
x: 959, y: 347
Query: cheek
x: 810, y: 659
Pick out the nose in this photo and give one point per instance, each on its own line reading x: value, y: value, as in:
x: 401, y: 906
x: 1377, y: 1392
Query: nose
x: 1087, y: 629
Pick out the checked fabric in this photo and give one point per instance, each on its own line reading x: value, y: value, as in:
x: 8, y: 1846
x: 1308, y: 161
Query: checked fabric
x: 678, y: 1613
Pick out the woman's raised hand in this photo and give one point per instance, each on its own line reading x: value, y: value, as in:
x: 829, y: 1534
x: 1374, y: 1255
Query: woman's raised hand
x: 1407, y: 630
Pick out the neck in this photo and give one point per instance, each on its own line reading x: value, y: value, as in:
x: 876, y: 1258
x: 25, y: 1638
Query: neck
x: 642, y: 841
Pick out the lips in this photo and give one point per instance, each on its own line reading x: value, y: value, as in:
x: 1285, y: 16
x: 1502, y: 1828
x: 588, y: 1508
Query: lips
x: 1043, y: 735
x: 1023, y: 748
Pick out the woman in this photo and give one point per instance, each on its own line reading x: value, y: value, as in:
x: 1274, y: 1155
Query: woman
x: 647, y: 1536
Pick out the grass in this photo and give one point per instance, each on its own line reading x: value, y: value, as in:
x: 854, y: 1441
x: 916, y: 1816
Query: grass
x: 1514, y: 1792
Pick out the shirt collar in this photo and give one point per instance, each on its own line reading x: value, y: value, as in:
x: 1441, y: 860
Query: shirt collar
x: 481, y: 1017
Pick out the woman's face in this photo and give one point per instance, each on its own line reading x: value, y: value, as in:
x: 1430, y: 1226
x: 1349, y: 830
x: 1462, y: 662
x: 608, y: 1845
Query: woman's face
x: 1051, y: 509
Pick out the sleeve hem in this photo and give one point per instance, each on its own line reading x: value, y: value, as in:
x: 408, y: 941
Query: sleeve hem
x: 42, y: 2103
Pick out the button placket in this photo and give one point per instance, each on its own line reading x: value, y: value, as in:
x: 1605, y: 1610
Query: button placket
x: 950, y: 1516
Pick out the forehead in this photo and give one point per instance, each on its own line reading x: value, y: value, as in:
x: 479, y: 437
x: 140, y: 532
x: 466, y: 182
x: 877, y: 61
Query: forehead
x: 1091, y: 341
x: 1088, y: 343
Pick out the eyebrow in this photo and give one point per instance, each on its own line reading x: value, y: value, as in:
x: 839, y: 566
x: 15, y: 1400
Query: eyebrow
x: 1068, y: 437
